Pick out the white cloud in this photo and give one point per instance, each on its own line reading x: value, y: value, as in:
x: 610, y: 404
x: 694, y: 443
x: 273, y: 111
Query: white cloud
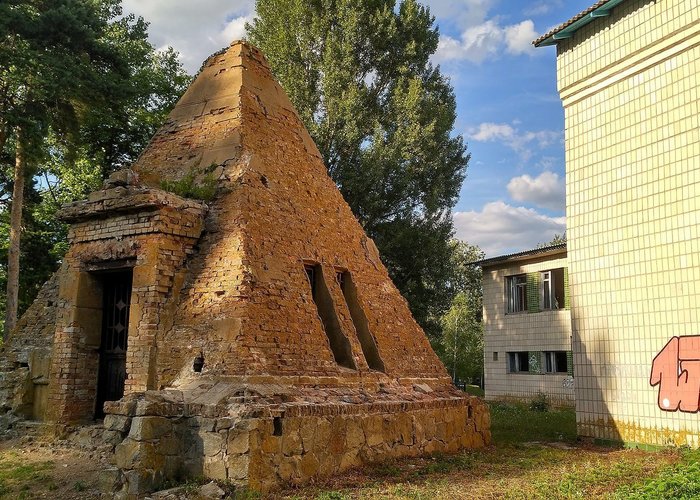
x: 501, y: 228
x: 546, y: 190
x: 235, y: 29
x: 489, y: 38
x: 195, y: 29
x: 475, y: 44
x: 520, y: 142
x: 487, y: 132
x: 519, y: 37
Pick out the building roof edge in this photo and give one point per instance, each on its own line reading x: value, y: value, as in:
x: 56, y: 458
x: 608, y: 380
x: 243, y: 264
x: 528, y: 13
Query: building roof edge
x: 567, y: 29
x: 535, y: 252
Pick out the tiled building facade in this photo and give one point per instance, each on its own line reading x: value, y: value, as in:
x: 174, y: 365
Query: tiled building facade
x: 527, y: 327
x: 629, y: 76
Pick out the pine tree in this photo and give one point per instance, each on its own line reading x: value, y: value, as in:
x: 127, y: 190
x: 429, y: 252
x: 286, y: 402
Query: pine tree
x: 72, y: 73
x: 359, y: 74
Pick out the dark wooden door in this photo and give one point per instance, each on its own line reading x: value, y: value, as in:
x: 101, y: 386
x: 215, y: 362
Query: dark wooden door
x: 115, y: 330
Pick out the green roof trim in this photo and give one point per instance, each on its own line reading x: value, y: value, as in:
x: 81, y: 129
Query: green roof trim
x: 567, y: 29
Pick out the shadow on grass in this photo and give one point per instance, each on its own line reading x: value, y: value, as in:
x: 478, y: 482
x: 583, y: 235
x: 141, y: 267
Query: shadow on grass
x: 515, y: 423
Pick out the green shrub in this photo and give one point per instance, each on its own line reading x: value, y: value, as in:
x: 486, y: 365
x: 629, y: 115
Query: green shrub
x: 187, y: 187
x: 540, y: 403
x: 681, y: 480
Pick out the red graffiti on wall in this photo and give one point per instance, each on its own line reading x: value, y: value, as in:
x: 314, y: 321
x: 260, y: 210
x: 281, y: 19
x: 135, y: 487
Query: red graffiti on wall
x: 676, y: 370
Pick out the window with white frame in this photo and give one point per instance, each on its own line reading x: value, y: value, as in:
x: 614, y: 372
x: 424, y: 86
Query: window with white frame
x: 556, y: 362
x: 516, y: 293
x: 552, y: 289
x: 518, y: 362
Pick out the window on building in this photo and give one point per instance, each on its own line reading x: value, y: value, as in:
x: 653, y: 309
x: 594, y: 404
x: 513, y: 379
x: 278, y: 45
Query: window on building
x: 518, y: 362
x: 516, y: 293
x: 552, y: 289
x: 495, y: 356
x: 556, y: 361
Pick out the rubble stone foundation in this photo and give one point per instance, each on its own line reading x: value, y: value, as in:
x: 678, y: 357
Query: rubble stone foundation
x: 263, y: 446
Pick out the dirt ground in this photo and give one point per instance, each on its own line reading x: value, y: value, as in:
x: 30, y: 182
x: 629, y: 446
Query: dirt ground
x: 37, y: 469
x: 32, y: 468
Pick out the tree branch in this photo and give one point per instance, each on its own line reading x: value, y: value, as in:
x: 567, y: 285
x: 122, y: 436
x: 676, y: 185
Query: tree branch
x: 51, y: 191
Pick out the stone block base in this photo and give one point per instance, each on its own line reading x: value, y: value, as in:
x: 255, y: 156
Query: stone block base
x: 263, y: 447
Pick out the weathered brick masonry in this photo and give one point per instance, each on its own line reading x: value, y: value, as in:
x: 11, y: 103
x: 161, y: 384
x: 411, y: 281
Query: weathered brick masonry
x: 266, y: 340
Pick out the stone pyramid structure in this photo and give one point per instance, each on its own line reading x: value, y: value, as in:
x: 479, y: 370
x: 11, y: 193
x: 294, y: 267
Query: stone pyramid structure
x: 255, y: 337
x: 247, y: 304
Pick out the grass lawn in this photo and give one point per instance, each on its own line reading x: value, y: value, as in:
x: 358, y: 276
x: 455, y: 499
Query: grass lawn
x: 535, y: 455
x: 18, y: 477
x: 474, y: 390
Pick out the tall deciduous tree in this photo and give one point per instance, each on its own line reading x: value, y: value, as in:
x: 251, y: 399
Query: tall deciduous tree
x: 78, y: 82
x: 461, y: 347
x: 359, y: 74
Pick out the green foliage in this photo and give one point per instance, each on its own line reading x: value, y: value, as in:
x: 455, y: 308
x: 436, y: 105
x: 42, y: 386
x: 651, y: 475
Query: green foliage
x: 580, y: 479
x: 462, y: 343
x: 332, y: 495
x: 539, y: 403
x: 359, y: 74
x: 516, y: 423
x: 89, y: 91
x: 681, y: 480
x: 474, y: 390
x: 15, y: 474
x: 189, y: 187
x: 558, y: 239
x: 461, y: 346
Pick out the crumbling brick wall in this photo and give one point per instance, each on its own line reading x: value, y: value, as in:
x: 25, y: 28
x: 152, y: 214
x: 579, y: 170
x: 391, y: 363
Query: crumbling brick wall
x: 148, y: 230
x: 247, y: 305
x: 26, y: 357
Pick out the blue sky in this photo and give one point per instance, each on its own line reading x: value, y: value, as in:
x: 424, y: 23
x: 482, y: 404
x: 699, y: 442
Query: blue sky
x: 508, y: 108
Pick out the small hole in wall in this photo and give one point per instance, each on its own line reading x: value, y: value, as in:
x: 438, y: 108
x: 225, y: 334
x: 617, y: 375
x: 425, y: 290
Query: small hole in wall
x: 277, y: 426
x: 264, y: 181
x: 470, y: 412
x: 198, y: 364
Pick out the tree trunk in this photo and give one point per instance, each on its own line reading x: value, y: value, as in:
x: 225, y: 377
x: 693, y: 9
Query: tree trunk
x: 3, y: 136
x: 15, y: 233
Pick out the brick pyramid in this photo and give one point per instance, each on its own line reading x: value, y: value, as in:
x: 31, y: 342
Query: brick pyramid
x: 266, y: 342
x: 247, y: 306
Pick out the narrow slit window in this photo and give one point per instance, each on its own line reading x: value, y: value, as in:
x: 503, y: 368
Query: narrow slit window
x: 359, y: 319
x: 340, y: 346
